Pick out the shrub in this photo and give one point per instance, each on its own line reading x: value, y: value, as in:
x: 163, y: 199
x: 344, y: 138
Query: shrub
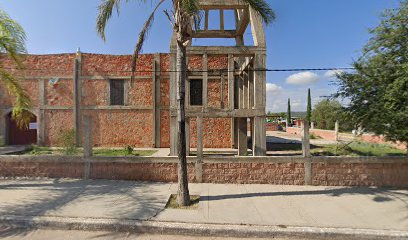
x: 129, y: 150
x: 67, y: 141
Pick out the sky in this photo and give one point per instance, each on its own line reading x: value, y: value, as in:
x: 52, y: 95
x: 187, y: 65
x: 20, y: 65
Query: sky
x: 305, y: 34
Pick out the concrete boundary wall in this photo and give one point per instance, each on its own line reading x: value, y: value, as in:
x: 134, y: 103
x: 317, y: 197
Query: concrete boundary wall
x: 326, y: 171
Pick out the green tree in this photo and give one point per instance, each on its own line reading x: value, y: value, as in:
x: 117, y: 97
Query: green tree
x: 12, y: 44
x: 309, y: 106
x: 326, y: 113
x: 289, y: 114
x: 184, y: 16
x: 378, y: 88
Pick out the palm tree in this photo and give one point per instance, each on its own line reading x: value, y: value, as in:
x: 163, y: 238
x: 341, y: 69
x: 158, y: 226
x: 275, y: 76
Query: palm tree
x: 12, y: 44
x: 184, y: 15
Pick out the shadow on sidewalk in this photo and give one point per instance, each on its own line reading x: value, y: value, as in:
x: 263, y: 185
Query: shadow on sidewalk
x: 377, y: 194
x: 49, y: 197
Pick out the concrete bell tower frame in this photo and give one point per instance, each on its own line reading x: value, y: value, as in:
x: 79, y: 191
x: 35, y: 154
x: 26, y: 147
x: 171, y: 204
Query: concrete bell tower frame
x: 246, y: 79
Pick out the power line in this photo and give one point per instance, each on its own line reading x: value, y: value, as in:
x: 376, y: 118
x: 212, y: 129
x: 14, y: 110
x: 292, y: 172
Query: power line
x: 202, y: 71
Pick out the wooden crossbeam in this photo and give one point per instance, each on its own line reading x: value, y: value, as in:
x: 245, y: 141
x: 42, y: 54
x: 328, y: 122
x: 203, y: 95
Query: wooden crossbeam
x: 214, y: 34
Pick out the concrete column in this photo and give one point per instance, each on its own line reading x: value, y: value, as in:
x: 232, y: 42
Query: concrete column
x: 242, y: 137
x: 173, y: 106
x: 88, y: 144
x: 187, y: 136
x: 77, y: 98
x: 41, y: 113
x: 156, y: 101
x: 336, y: 131
x: 87, y: 127
x: 312, y: 125
x: 200, y: 153
x: 305, y: 139
x: 2, y: 128
x: 306, y: 152
x: 259, y: 139
x: 205, y: 81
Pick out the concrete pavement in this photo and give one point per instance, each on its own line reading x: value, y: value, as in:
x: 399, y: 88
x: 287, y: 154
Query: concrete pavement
x: 282, y: 208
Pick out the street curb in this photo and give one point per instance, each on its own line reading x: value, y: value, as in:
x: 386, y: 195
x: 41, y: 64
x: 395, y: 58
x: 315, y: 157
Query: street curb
x: 197, y: 229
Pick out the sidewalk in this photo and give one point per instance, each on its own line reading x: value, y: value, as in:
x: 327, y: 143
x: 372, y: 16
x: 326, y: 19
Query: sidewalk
x: 118, y: 202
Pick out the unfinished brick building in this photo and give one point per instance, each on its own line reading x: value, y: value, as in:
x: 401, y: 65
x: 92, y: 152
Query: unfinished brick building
x: 225, y: 91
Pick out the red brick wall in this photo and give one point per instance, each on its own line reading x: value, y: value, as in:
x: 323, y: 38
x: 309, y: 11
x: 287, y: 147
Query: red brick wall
x: 360, y: 174
x: 112, y: 126
x: 251, y: 173
x: 333, y: 171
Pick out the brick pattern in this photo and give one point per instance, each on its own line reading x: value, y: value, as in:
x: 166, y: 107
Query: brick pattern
x: 360, y: 174
x: 216, y: 133
x: 49, y: 169
x: 339, y: 172
x: 251, y: 173
x: 56, y: 122
x: 157, y: 172
x: 114, y: 126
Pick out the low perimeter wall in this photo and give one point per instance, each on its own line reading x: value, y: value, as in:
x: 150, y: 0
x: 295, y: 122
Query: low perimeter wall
x: 325, y: 134
x: 327, y: 171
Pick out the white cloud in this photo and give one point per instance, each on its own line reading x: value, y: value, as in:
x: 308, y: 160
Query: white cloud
x: 332, y: 73
x: 302, y: 78
x: 273, y: 88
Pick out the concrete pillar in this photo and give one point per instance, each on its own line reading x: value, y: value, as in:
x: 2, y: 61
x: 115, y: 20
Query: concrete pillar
x: 2, y: 128
x: 242, y: 137
x: 41, y: 113
x: 87, y: 127
x: 312, y: 125
x: 305, y: 139
x: 259, y: 139
x: 77, y: 98
x: 336, y: 131
x: 88, y: 144
x: 173, y: 136
x: 187, y: 136
x: 156, y: 100
x: 306, y: 152
x: 173, y: 106
x: 200, y: 153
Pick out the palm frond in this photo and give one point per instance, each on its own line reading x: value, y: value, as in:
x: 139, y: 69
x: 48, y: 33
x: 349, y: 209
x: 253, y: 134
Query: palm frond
x: 142, y: 37
x: 12, y: 38
x: 22, y: 101
x: 105, y: 13
x: 263, y: 8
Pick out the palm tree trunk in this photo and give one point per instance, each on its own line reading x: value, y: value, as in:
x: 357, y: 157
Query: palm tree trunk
x: 183, y: 195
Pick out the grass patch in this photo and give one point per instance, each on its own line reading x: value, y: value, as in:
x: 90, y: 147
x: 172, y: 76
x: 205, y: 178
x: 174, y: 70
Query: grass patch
x: 357, y: 149
x: 172, y: 203
x: 36, y: 150
x: 312, y: 136
x: 120, y: 152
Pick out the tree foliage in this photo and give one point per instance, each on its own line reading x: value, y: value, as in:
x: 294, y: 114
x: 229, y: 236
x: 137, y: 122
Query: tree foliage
x: 289, y: 114
x: 378, y: 88
x: 327, y: 112
x: 12, y: 44
x: 309, y: 106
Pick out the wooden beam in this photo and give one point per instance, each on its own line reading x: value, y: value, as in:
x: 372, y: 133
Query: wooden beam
x: 231, y: 69
x: 222, y: 4
x: 243, y: 21
x: 205, y: 81
x: 216, y: 50
x: 222, y: 20
x: 206, y: 20
x: 218, y: 113
x: 214, y: 34
x: 222, y: 91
